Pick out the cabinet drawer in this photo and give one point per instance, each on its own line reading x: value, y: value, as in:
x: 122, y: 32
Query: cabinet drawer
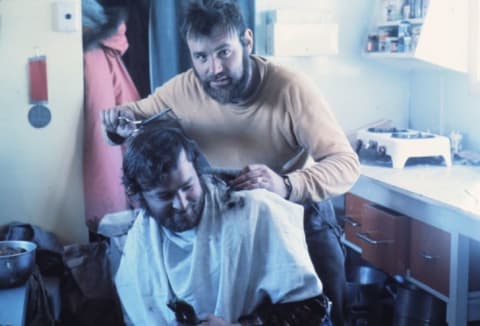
x: 430, y: 256
x: 354, y: 217
x: 384, y: 239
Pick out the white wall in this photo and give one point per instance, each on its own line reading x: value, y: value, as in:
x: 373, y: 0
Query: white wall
x: 40, y: 169
x: 442, y: 101
x: 357, y: 90
x: 361, y: 90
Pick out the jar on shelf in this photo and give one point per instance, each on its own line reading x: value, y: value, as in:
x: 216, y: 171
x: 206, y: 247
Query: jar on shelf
x: 407, y: 44
x: 418, y: 9
x: 372, y: 43
x: 404, y: 28
x: 394, y: 9
x: 393, y: 44
x: 425, y: 4
x: 411, y: 4
x: 415, y: 37
x: 406, y: 11
x: 382, y: 42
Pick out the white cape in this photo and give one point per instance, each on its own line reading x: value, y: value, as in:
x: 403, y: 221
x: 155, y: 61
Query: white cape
x: 226, y: 266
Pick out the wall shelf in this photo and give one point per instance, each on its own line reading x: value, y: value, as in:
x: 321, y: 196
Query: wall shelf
x: 390, y: 55
x: 438, y: 37
x: 412, y: 21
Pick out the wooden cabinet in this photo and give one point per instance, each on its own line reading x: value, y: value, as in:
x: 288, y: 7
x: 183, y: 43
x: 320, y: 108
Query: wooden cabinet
x: 430, y: 256
x: 397, y: 244
x: 384, y: 239
x: 382, y: 234
x: 354, y: 217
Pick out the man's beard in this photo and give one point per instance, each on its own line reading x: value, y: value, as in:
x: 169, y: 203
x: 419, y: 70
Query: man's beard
x: 179, y: 221
x: 237, y: 88
x: 184, y: 220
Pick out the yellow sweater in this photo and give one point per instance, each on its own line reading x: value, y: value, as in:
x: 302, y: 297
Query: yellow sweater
x: 283, y: 121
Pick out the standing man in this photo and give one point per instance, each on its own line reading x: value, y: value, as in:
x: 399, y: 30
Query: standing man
x: 247, y: 112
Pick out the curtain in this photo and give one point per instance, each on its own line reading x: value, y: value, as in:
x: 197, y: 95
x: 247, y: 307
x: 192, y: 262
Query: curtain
x: 137, y: 55
x: 168, y: 52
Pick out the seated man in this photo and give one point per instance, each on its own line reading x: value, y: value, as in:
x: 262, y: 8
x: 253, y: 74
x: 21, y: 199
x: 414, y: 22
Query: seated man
x: 213, y: 255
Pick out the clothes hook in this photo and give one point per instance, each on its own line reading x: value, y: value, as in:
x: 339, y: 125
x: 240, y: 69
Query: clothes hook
x: 36, y: 51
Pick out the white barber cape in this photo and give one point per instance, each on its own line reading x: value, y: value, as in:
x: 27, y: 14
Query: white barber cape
x: 245, y: 248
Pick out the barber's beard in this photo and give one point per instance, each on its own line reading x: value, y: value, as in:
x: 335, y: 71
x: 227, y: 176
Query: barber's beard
x: 237, y: 88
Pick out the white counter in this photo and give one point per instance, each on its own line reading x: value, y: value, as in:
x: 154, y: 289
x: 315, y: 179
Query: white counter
x: 445, y: 197
x: 457, y: 186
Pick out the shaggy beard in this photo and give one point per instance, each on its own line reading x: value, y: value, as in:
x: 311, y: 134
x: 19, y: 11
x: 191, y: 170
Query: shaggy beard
x: 179, y: 221
x: 235, y: 90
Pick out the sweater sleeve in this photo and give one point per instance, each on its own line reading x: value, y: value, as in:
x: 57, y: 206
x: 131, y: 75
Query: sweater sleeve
x: 336, y: 166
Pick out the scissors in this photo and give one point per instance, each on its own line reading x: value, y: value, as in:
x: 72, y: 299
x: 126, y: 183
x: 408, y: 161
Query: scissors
x: 142, y: 123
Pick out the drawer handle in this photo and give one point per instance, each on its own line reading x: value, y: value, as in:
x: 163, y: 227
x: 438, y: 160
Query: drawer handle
x: 428, y: 256
x: 367, y: 239
x: 352, y: 222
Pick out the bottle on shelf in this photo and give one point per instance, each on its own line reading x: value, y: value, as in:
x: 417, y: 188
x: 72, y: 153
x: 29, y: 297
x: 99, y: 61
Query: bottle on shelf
x: 406, y: 11
x: 392, y: 9
x: 418, y: 9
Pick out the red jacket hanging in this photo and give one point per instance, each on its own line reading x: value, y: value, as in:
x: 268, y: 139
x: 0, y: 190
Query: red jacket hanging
x: 107, y: 84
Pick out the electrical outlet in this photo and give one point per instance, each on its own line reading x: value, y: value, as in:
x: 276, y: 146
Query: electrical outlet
x: 66, y: 16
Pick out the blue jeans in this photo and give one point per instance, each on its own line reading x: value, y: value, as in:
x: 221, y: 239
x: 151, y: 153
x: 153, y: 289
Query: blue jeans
x: 327, y: 253
x: 327, y: 322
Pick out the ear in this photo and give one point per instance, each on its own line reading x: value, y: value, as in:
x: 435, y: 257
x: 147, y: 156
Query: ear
x: 248, y: 40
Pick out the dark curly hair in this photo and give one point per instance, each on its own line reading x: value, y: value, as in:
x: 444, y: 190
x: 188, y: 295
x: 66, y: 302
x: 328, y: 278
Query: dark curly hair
x: 152, y: 153
x: 203, y: 15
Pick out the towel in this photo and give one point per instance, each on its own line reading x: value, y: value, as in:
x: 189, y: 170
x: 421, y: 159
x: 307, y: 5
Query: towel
x: 249, y: 245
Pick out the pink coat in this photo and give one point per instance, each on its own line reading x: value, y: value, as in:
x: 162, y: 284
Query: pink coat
x: 107, y: 84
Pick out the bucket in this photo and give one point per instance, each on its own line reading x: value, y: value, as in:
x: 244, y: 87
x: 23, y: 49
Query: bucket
x: 365, y: 286
x: 366, y: 300
x: 415, y: 307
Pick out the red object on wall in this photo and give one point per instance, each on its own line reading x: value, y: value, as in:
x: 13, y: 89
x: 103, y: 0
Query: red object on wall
x: 38, y: 79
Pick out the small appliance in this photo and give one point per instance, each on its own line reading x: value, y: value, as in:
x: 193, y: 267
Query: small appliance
x: 402, y: 144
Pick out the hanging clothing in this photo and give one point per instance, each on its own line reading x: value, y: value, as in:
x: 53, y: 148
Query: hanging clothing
x: 107, y: 84
x: 136, y: 58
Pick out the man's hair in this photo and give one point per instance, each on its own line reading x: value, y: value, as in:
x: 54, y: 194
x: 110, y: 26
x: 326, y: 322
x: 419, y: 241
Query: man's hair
x: 203, y: 15
x: 152, y: 153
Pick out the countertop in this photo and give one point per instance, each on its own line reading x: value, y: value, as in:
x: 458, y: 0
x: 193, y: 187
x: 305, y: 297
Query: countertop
x: 448, y: 197
x: 444, y: 197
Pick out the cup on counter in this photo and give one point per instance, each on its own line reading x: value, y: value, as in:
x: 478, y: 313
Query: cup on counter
x: 455, y: 141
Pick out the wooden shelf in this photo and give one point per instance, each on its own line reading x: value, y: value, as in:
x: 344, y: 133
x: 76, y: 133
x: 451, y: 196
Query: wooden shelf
x: 390, y: 55
x: 413, y: 21
x: 400, y: 60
